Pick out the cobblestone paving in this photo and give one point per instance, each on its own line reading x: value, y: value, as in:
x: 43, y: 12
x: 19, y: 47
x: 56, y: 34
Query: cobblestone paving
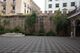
x: 39, y: 44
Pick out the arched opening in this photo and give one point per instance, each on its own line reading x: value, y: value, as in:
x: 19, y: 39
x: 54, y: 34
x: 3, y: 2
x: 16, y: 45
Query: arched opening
x: 77, y: 28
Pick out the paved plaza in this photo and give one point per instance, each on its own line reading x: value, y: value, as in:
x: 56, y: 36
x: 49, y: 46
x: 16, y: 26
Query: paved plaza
x: 39, y: 44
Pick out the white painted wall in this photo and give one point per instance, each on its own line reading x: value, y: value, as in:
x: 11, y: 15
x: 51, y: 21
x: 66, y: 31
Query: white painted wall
x: 22, y: 6
x: 77, y: 3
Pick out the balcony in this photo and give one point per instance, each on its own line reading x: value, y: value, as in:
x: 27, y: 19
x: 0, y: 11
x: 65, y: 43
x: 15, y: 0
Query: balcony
x: 12, y: 11
x: 3, y: 3
x: 13, y: 3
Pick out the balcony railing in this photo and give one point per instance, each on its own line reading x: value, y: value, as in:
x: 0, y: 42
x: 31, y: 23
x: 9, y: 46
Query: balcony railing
x: 12, y: 11
x: 3, y: 11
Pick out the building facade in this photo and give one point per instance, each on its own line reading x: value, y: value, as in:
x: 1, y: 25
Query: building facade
x: 15, y: 7
x: 35, y: 7
x: 62, y: 5
x: 75, y: 23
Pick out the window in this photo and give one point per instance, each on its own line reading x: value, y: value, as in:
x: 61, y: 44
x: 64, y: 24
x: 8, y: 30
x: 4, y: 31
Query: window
x: 24, y: 4
x: 4, y: 8
x: 13, y: 0
x: 57, y: 5
x: 4, y: 0
x: 64, y: 4
x: 13, y: 7
x: 72, y: 3
x: 56, y: 0
x: 50, y: 6
x: 50, y: 0
x: 25, y: 8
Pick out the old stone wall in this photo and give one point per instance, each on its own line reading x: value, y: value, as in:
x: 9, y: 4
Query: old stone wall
x: 11, y: 22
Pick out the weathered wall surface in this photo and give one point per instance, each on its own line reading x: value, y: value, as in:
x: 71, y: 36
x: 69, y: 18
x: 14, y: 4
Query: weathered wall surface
x: 11, y: 22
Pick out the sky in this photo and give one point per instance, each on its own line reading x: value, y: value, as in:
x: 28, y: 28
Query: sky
x: 40, y: 3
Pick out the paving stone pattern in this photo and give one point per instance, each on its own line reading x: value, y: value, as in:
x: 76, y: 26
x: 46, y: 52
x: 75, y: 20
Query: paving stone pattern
x: 39, y: 44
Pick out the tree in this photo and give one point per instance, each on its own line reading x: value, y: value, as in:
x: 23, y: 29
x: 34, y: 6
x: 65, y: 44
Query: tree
x: 61, y: 22
x: 30, y: 22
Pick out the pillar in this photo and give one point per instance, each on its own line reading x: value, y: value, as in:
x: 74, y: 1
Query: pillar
x: 73, y: 28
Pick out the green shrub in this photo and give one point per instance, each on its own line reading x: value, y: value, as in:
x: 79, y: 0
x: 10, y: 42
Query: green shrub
x: 2, y: 30
x: 50, y: 33
x: 28, y: 34
x: 16, y: 30
x: 41, y: 34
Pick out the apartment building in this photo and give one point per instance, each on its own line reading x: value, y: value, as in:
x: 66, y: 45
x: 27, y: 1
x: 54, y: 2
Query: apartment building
x: 63, y: 5
x: 0, y: 7
x: 35, y: 7
x: 13, y: 7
